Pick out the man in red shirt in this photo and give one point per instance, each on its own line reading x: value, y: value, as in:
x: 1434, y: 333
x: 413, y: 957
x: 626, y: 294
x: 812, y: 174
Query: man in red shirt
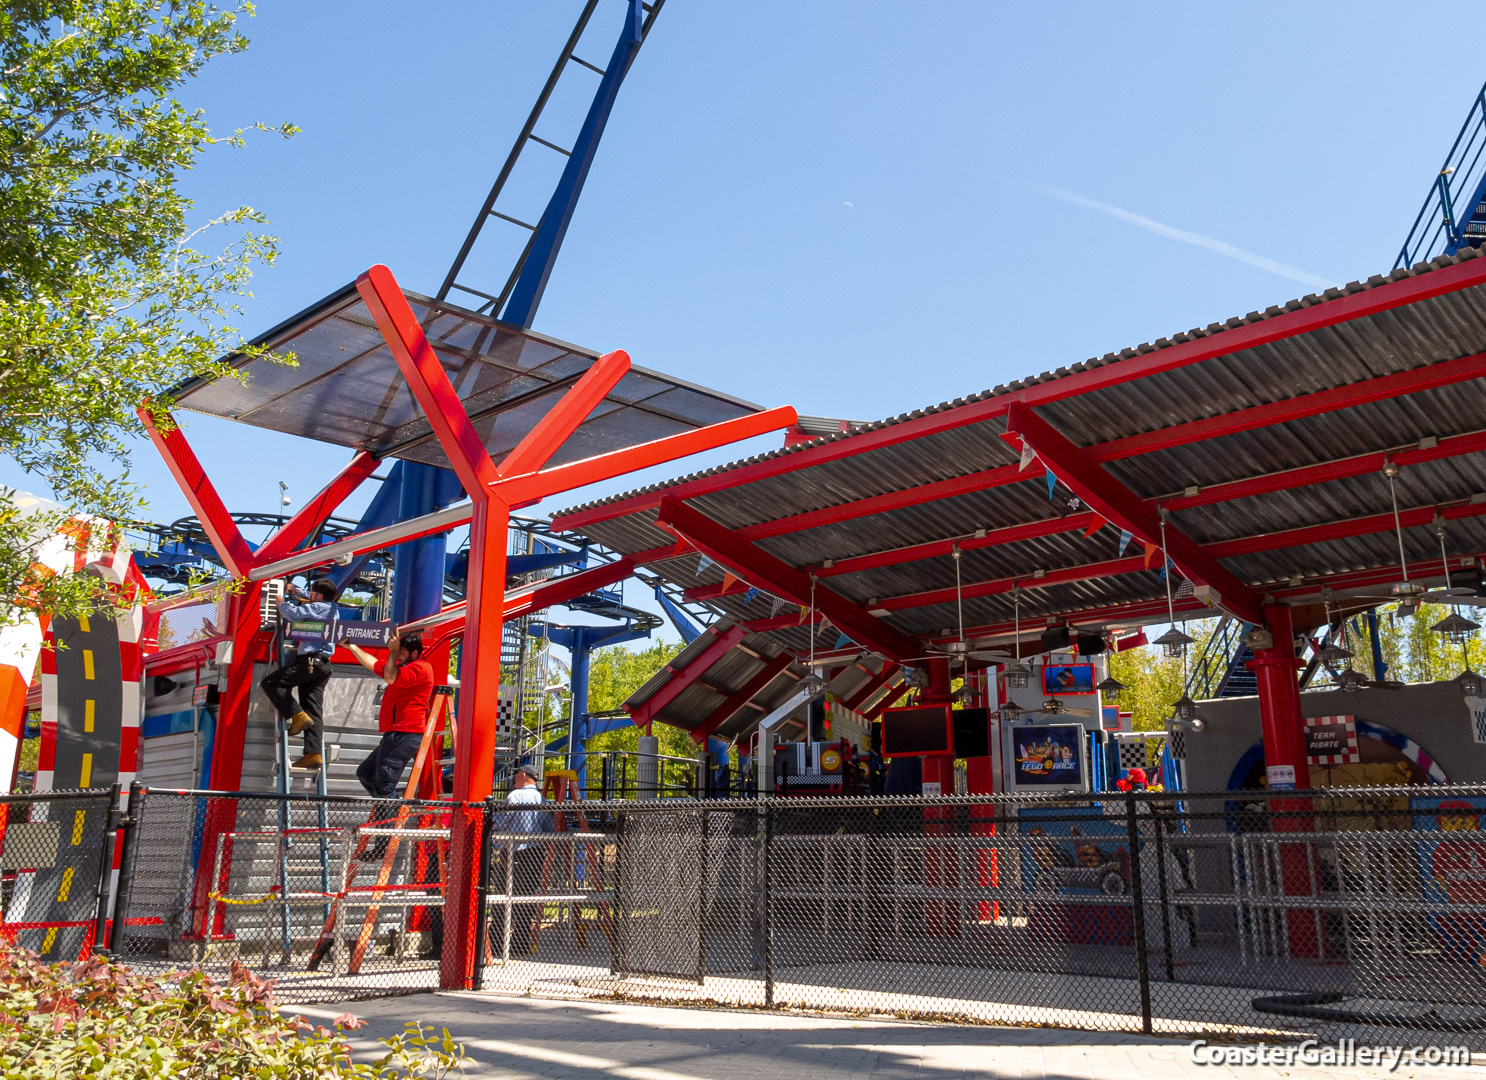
x: 404, y: 711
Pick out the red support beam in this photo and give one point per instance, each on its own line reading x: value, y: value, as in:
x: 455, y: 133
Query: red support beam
x: 874, y: 684
x: 215, y: 520
x: 1202, y: 347
x: 783, y: 580
x: 682, y: 677
x: 1114, y: 502
x: 777, y: 622
x: 752, y: 688
x: 479, y: 695
x: 313, y: 513
x: 1268, y: 484
x: 1430, y: 377
x: 550, y: 432
x: 532, y: 487
x: 1413, y: 517
x: 891, y: 698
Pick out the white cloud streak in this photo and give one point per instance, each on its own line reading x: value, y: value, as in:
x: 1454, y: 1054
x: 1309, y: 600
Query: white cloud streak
x: 1182, y: 236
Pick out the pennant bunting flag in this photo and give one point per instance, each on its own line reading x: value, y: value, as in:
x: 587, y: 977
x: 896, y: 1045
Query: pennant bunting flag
x: 751, y: 595
x: 1125, y: 539
x: 1097, y: 524
x: 1150, y: 553
x: 682, y: 547
x: 803, y: 610
x: 1161, y: 573
x: 842, y: 642
x: 1052, y: 482
x: 703, y: 562
x: 1028, y: 456
x: 774, y: 605
x: 728, y: 580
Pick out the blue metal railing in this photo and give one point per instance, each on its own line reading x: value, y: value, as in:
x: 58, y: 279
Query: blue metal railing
x: 1453, y: 215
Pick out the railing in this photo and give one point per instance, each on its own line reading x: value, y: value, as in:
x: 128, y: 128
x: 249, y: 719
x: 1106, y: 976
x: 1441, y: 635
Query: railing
x: 1234, y: 915
x: 1214, y: 665
x: 1445, y: 221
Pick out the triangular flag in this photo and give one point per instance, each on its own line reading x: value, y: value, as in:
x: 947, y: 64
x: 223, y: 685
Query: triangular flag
x: 703, y: 562
x: 1097, y: 524
x: 1028, y: 456
x: 774, y: 605
x: 842, y: 641
x: 803, y: 609
x: 1125, y: 539
x: 1150, y: 552
x: 1052, y: 482
x: 750, y: 595
x: 727, y: 580
x: 682, y: 547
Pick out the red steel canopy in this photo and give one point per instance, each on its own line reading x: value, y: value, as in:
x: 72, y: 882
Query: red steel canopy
x: 1262, y: 439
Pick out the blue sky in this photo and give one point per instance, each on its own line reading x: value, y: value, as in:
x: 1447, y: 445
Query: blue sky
x: 856, y: 208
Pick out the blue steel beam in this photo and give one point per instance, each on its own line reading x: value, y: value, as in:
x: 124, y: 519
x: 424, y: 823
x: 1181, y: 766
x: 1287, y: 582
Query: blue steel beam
x: 521, y: 308
x: 688, y: 630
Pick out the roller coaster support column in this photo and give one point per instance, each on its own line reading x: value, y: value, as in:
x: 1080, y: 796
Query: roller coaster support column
x: 1287, y: 769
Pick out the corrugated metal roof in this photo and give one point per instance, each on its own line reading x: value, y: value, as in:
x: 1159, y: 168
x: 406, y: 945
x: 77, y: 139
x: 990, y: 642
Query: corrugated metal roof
x: 1335, y: 350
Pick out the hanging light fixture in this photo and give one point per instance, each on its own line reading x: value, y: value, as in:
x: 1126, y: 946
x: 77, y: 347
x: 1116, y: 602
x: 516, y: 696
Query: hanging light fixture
x: 1470, y: 683
x: 1332, y: 653
x: 1011, y: 712
x: 1456, y: 627
x: 1017, y: 675
x: 1111, y: 688
x: 1186, y: 709
x: 918, y: 678
x: 1350, y: 681
x: 1173, y: 642
x: 813, y: 684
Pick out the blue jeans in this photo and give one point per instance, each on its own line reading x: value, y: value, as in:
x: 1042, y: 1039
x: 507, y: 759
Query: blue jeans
x: 383, y: 767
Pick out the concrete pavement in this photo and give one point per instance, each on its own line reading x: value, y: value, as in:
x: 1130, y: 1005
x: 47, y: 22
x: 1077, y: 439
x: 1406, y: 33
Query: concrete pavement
x: 520, y: 1037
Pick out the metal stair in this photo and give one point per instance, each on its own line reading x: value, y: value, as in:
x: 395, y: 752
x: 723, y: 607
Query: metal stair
x: 1221, y: 669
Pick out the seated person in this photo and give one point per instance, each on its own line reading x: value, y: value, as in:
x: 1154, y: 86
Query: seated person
x: 404, y: 711
x: 305, y: 667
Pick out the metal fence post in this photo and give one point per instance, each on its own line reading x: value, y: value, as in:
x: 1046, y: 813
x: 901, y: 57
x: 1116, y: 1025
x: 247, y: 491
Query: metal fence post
x: 1137, y: 896
x: 132, y: 816
x: 1161, y: 893
x: 768, y: 913
x: 105, y: 868
x: 482, y: 893
x: 702, y: 903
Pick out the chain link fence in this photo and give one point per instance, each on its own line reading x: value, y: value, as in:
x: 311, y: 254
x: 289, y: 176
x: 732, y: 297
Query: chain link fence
x: 56, y: 852
x: 1247, y: 915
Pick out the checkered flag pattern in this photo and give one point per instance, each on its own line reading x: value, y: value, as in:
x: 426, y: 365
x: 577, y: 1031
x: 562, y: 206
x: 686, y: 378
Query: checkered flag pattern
x: 1132, y: 754
x: 505, y: 715
x: 1177, y: 740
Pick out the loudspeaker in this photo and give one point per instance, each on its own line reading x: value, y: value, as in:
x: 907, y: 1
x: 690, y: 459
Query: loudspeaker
x: 1055, y: 638
x: 1090, y: 644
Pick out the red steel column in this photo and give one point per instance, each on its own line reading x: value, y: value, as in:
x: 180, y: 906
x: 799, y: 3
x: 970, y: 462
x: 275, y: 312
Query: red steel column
x: 941, y: 863
x: 1287, y: 769
x: 980, y: 779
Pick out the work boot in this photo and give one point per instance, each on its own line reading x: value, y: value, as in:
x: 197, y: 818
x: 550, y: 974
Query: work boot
x: 300, y: 721
x: 311, y: 762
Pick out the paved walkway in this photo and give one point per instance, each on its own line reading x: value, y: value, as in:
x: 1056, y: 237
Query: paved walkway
x: 591, y: 1040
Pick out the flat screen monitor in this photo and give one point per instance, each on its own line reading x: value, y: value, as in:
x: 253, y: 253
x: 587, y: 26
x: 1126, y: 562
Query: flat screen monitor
x: 972, y: 732
x: 917, y: 730
x: 1049, y: 757
x: 1058, y: 679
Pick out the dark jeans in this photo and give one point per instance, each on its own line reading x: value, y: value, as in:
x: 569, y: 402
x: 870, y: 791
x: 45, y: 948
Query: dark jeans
x: 383, y: 767
x: 308, y: 675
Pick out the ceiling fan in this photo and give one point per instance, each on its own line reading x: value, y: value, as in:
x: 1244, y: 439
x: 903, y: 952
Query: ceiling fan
x: 1053, y: 707
x: 1410, y: 594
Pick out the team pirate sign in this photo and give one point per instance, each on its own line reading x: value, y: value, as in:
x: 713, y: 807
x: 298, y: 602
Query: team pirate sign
x: 1331, y: 740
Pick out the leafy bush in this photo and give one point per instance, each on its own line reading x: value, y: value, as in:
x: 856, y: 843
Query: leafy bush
x: 95, y: 1019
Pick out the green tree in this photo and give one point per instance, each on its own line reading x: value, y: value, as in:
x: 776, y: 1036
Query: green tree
x: 615, y: 674
x: 105, y: 299
x: 1155, y: 681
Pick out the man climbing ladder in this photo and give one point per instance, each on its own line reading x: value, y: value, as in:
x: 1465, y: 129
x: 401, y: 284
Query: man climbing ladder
x: 308, y: 643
